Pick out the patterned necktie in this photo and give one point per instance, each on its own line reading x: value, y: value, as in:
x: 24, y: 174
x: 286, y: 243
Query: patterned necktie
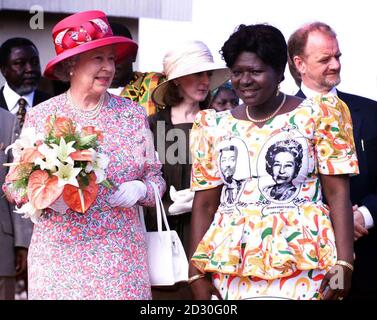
x: 21, y: 111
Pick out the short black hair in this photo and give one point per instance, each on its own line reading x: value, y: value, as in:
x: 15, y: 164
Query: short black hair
x: 11, y: 43
x: 120, y: 30
x: 266, y: 41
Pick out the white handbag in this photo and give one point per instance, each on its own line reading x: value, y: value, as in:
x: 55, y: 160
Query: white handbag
x: 167, y: 261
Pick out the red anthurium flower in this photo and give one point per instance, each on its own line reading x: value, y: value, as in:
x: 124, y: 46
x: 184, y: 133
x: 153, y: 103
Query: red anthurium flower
x: 42, y: 189
x: 29, y: 155
x: 80, y: 199
x: 82, y: 155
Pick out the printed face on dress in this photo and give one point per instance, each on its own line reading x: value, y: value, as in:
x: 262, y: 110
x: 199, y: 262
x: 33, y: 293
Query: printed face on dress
x: 283, y: 167
x: 254, y: 81
x: 23, y: 70
x: 194, y: 87
x: 94, y: 70
x: 320, y: 65
x: 226, y: 99
x: 228, y: 161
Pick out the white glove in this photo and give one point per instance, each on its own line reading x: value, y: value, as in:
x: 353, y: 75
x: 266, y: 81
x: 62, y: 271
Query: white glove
x: 184, y: 195
x: 183, y: 200
x: 128, y: 194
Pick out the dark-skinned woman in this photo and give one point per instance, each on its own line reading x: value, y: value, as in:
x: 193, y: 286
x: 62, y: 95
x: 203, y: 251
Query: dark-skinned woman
x: 259, y: 246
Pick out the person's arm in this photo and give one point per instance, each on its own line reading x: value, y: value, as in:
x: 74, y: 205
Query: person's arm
x: 336, y: 190
x: 362, y: 221
x: 205, y: 205
x: 368, y: 210
x: 22, y: 228
x: 152, y: 166
x: 207, y: 184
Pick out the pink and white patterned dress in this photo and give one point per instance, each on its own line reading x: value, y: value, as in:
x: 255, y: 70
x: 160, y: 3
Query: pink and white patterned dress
x: 100, y: 254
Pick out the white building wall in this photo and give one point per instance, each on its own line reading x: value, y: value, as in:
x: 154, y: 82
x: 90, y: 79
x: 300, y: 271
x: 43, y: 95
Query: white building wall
x: 157, y: 9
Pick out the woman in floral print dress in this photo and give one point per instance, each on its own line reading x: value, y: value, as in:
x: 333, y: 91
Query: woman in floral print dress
x: 100, y: 254
x: 260, y: 228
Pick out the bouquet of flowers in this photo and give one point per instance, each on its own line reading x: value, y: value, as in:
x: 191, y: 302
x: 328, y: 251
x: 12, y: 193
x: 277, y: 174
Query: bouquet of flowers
x: 58, y: 170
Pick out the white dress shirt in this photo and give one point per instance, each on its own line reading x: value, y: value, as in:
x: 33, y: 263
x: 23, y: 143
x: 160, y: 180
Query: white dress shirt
x: 309, y: 93
x: 11, y: 98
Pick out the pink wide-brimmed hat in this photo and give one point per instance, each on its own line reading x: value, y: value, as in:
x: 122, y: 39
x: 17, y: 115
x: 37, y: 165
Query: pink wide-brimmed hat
x: 188, y: 58
x: 86, y: 31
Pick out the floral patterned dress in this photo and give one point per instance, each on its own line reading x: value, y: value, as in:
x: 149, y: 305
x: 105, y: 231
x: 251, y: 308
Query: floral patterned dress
x: 271, y: 235
x: 100, y: 254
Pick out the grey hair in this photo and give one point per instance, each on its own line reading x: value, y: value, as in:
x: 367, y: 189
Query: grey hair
x: 62, y: 69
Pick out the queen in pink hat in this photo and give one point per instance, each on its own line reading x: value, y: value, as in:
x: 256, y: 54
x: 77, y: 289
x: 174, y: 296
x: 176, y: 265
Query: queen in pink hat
x: 99, y: 254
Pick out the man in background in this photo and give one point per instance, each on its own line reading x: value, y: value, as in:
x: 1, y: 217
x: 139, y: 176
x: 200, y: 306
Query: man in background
x: 136, y: 86
x: 314, y: 57
x: 19, y: 64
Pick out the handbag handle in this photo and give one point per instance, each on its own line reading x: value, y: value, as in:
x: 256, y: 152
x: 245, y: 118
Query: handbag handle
x: 160, y: 210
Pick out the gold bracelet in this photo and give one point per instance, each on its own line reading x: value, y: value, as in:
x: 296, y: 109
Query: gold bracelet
x: 196, y: 277
x: 345, y: 264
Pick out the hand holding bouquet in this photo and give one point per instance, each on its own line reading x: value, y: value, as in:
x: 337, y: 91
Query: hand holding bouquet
x: 62, y: 165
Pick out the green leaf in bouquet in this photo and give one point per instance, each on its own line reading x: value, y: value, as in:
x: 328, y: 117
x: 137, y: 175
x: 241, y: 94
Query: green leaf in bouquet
x: 21, y: 184
x: 83, y: 180
x: 50, y: 139
x: 87, y: 142
x: 82, y: 165
x: 70, y: 138
x: 107, y: 184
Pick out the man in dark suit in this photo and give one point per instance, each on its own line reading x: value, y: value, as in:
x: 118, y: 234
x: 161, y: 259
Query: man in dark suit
x: 19, y: 63
x: 314, y: 57
x: 15, y: 232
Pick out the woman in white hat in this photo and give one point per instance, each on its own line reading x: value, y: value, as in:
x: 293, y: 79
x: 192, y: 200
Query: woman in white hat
x: 191, y: 73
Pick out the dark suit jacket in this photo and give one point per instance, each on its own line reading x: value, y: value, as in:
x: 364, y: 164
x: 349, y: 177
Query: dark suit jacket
x: 39, y: 97
x: 363, y: 188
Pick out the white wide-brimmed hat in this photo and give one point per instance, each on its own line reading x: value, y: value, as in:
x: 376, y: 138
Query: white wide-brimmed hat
x: 189, y: 58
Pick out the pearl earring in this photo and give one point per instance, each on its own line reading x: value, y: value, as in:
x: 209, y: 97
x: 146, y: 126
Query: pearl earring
x: 278, y: 90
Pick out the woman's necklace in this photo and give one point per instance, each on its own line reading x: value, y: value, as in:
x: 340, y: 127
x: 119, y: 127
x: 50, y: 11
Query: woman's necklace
x: 270, y: 116
x: 89, y: 114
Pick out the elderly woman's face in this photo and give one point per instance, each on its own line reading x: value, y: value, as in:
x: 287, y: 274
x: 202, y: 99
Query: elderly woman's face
x: 94, y: 70
x: 194, y: 87
x: 283, y: 168
x: 254, y: 81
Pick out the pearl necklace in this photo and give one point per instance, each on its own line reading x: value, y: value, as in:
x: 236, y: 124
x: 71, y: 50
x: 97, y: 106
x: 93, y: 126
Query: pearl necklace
x: 87, y: 114
x: 270, y: 116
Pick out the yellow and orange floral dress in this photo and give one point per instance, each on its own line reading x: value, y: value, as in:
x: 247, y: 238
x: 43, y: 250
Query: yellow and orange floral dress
x: 271, y: 235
